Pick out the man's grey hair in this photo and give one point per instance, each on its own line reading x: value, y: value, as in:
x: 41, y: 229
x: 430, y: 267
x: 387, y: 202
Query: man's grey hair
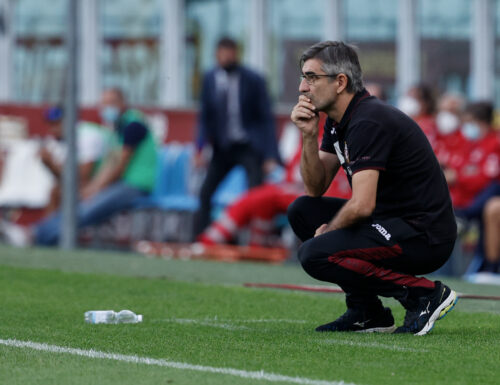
x: 337, y: 58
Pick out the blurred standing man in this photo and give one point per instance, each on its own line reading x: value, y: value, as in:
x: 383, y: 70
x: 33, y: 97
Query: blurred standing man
x: 399, y: 221
x: 128, y: 173
x: 237, y: 121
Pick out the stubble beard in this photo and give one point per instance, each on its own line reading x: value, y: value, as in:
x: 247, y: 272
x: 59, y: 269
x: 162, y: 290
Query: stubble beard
x: 322, y: 105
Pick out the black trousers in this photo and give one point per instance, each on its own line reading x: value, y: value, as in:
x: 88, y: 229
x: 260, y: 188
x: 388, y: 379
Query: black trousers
x: 374, y: 257
x: 223, y: 160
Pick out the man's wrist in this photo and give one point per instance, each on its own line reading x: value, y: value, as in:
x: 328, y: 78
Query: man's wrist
x: 310, y: 136
x: 332, y: 226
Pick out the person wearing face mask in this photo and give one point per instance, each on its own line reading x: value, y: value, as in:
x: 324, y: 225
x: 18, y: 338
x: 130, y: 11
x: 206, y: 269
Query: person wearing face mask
x: 481, y: 164
x: 128, y: 172
x: 450, y: 108
x: 235, y: 119
x: 450, y: 146
x: 476, y: 187
x: 419, y: 103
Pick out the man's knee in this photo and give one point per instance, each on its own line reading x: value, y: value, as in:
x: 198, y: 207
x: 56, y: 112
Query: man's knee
x: 317, y: 263
x: 298, y: 209
x: 306, y: 257
x: 313, y: 262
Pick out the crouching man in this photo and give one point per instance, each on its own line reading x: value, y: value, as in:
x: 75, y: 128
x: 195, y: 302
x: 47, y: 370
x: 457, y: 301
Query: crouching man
x: 399, y: 222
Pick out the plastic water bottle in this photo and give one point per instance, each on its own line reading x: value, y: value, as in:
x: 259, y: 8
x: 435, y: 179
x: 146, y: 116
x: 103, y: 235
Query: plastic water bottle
x: 112, y: 317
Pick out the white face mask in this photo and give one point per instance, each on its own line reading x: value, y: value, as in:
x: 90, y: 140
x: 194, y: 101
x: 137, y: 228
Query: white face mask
x: 409, y: 105
x: 471, y: 131
x: 447, y: 122
x: 109, y: 114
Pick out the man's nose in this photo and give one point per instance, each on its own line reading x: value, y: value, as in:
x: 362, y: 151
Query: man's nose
x: 303, y: 86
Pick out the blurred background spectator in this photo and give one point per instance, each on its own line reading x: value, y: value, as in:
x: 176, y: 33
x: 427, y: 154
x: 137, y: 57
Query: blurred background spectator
x: 449, y: 144
x: 473, y: 173
x: 127, y: 173
x: 236, y: 120
x: 480, y: 155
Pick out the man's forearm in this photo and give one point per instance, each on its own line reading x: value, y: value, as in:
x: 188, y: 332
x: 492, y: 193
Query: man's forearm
x: 54, y: 168
x: 350, y: 214
x: 110, y: 174
x: 311, y: 167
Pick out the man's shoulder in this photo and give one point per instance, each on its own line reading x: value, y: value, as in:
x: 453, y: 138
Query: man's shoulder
x: 209, y: 75
x: 133, y: 123
x: 372, y: 107
x: 133, y: 114
x: 373, y: 112
x: 250, y: 73
x: 245, y: 72
x: 210, y: 72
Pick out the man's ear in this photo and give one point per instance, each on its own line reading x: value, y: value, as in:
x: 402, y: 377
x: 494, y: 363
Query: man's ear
x: 342, y: 80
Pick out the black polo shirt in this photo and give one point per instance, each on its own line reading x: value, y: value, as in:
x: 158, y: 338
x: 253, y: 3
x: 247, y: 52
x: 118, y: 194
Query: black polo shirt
x: 376, y: 136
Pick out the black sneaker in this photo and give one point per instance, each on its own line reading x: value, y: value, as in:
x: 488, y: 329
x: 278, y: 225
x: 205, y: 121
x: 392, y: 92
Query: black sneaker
x: 429, y: 309
x: 357, y: 320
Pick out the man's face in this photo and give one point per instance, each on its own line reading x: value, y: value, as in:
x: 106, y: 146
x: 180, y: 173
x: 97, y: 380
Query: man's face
x: 111, y: 107
x: 226, y: 57
x: 110, y: 98
x: 321, y: 90
x: 452, y: 104
x: 56, y: 129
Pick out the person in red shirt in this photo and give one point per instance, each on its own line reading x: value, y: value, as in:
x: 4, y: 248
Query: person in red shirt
x: 481, y: 164
x: 474, y: 184
x: 450, y: 146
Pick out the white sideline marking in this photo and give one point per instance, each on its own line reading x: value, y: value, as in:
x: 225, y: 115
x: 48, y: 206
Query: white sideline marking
x: 257, y: 375
x: 374, y: 345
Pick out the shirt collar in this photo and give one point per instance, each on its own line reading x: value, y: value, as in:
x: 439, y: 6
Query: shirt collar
x: 358, y: 97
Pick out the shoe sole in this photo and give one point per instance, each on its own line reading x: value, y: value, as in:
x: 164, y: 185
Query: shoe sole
x: 446, y: 306
x: 389, y: 329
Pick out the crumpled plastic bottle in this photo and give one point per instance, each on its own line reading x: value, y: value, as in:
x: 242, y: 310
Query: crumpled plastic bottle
x: 112, y: 317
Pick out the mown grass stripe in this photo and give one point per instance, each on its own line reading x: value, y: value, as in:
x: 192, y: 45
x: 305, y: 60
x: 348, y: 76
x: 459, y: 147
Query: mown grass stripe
x: 374, y: 345
x: 256, y: 375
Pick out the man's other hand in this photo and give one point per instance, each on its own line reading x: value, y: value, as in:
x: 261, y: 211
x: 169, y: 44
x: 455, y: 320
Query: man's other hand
x: 321, y: 230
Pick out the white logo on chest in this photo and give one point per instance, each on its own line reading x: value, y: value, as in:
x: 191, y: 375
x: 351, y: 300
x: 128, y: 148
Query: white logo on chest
x: 339, y: 152
x: 382, y: 231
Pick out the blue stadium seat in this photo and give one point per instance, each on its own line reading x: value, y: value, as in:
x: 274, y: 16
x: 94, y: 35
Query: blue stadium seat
x: 171, y: 191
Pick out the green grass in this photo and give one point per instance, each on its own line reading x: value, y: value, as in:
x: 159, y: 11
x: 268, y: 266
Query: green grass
x: 198, y: 313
